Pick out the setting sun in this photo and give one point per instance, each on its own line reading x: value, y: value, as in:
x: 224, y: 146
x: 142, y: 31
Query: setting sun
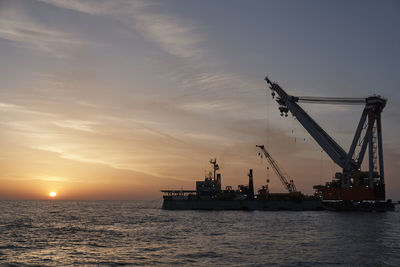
x: 52, y: 194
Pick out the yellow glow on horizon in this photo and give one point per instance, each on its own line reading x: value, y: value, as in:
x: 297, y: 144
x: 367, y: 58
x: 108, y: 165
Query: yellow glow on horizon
x: 52, y: 194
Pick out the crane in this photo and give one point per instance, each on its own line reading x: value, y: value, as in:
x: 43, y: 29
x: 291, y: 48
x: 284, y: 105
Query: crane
x: 350, y: 162
x: 290, y: 187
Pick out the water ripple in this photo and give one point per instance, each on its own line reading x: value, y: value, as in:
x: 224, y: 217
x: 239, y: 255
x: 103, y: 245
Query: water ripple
x: 114, y: 233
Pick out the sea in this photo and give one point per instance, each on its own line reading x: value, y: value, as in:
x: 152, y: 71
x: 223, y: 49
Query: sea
x: 140, y: 233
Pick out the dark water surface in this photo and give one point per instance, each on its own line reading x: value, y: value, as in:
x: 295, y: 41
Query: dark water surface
x: 59, y: 233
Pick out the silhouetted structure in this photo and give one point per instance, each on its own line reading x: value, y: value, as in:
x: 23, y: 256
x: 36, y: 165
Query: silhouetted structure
x: 289, y: 186
x: 209, y: 196
x: 351, y: 183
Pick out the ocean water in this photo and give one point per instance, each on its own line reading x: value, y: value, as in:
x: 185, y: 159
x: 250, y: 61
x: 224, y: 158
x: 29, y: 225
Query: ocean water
x: 110, y: 233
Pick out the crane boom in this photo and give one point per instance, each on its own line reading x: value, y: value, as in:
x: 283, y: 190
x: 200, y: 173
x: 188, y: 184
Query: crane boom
x: 349, y: 162
x: 289, y: 103
x: 289, y: 186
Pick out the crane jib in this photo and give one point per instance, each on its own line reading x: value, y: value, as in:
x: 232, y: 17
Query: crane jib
x: 289, y: 186
x: 371, y: 117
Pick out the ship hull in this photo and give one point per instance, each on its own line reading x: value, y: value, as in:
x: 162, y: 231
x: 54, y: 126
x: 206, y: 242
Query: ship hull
x: 378, y: 206
x: 266, y: 205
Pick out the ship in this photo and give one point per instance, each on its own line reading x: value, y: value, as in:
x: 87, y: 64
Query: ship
x: 350, y: 190
x: 209, y: 195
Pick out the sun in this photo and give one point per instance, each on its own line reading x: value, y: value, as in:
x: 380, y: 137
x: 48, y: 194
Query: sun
x: 52, y: 194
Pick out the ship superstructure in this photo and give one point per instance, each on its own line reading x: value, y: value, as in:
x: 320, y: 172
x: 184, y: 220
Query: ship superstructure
x: 210, y: 188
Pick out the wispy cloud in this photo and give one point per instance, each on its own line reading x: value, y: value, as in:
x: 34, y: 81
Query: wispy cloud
x: 33, y: 35
x: 98, y: 7
x: 171, y: 34
x: 86, y: 126
x: 12, y: 108
x: 203, y: 106
x: 177, y: 37
x: 49, y: 178
x: 65, y: 153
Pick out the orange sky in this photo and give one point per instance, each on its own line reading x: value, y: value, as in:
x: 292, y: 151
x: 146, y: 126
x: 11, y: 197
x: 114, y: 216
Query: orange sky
x: 118, y: 100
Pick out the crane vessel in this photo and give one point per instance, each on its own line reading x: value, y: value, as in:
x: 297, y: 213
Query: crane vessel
x: 350, y: 190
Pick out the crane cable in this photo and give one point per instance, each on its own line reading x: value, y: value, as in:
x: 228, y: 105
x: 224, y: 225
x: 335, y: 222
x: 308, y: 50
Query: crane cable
x: 267, y: 127
x: 268, y: 114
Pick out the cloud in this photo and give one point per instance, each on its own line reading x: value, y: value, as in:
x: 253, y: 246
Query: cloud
x: 205, y: 106
x: 53, y: 178
x: 97, y: 7
x: 182, y: 43
x: 85, y: 126
x: 67, y: 153
x: 171, y: 34
x: 21, y: 30
x: 11, y: 108
x: 8, y: 107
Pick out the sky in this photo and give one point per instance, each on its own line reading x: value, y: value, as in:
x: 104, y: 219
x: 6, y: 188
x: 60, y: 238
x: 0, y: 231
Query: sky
x: 120, y: 99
